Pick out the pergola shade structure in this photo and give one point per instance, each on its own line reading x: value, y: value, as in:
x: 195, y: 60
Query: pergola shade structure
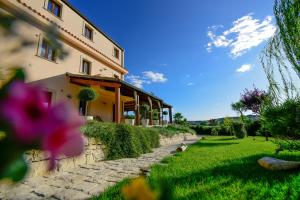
x: 122, y: 88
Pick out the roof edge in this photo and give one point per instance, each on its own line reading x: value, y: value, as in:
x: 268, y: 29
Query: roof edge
x: 91, y: 23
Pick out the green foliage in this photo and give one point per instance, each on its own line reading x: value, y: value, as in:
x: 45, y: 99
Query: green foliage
x: 122, y: 141
x: 212, y: 130
x: 129, y: 117
x: 87, y: 94
x: 289, y: 145
x: 174, y: 129
x: 178, y: 118
x: 144, y: 110
x: 215, y: 131
x: 155, y: 114
x: 238, y: 129
x: 253, y: 127
x: 165, y: 112
x: 283, y: 120
x: 281, y: 55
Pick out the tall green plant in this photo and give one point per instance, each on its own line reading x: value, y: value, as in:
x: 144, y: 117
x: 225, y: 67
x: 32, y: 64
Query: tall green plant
x: 282, y: 53
x: 144, y: 109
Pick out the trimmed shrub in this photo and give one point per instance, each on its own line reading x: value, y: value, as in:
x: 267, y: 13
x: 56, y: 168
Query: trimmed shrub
x: 122, y: 141
x: 238, y: 129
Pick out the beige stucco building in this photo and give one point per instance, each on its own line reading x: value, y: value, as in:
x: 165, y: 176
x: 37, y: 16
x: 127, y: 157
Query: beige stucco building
x: 93, y: 60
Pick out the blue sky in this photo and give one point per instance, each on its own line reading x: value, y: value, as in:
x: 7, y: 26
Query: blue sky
x: 197, y: 55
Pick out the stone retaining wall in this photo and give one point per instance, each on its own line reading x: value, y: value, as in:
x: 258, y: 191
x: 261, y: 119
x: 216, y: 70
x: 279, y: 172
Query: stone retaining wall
x: 93, y: 153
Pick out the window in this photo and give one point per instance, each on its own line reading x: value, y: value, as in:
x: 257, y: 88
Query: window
x: 116, y: 53
x: 86, y: 67
x: 47, y: 51
x: 54, y: 8
x: 88, y: 32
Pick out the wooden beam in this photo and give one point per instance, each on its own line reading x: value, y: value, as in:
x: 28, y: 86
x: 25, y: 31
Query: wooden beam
x: 137, y: 108
x: 80, y: 81
x: 151, y: 111
x: 170, y: 116
x: 117, y: 105
x: 160, y: 113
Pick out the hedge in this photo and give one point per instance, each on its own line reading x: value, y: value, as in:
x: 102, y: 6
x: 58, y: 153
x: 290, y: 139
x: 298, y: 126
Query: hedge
x: 122, y: 141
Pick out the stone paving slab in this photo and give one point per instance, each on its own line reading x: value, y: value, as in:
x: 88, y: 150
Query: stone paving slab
x: 85, y: 181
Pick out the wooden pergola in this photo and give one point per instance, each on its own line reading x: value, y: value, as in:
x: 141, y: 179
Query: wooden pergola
x: 120, y: 87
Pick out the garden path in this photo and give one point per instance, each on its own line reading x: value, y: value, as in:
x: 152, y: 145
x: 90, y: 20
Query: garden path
x: 85, y: 181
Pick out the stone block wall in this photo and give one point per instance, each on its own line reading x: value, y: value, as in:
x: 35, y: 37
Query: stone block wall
x: 94, y: 152
x: 39, y: 161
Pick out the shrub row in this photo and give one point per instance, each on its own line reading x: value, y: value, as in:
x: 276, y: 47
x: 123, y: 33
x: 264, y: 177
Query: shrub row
x: 122, y: 140
x: 125, y: 141
x: 174, y: 129
x: 211, y: 130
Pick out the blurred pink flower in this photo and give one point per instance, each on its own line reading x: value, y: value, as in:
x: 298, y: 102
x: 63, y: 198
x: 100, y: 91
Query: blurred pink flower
x: 64, y: 138
x: 54, y: 130
x: 24, y: 111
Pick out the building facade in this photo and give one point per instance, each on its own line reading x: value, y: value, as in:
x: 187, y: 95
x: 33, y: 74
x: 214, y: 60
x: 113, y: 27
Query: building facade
x: 93, y: 60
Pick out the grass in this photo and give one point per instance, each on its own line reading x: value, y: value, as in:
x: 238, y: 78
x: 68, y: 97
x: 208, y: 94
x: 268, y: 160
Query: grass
x: 222, y: 168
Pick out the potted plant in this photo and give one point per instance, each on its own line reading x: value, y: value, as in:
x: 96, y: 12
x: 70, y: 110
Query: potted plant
x: 86, y: 95
x: 155, y: 117
x: 130, y: 119
x: 165, y: 121
x: 144, y: 109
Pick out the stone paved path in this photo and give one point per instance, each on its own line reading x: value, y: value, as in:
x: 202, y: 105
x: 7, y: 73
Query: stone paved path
x: 85, y: 181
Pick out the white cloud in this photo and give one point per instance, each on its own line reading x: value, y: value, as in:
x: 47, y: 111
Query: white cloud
x: 190, y: 84
x: 245, y: 33
x: 155, y: 77
x: 148, y: 77
x: 244, y: 68
x: 136, y: 81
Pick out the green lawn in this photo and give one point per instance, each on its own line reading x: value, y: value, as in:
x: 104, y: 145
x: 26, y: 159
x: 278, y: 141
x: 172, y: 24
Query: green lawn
x: 222, y: 168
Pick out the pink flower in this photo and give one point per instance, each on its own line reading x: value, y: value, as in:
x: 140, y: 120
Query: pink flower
x: 54, y: 130
x: 24, y: 111
x: 64, y: 138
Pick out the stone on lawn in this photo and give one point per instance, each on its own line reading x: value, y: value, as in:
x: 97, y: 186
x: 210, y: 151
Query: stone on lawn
x: 277, y: 164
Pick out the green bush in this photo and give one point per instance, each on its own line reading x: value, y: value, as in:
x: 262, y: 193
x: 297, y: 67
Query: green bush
x: 253, y: 127
x: 215, y: 131
x: 174, y: 129
x: 283, y: 120
x: 238, y: 129
x: 203, y: 130
x: 122, y: 141
x: 208, y: 130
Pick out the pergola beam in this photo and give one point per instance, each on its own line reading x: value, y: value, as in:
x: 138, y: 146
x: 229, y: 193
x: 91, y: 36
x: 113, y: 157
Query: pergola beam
x: 81, y: 81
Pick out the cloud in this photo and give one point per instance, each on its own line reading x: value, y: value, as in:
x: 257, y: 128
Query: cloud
x: 190, y: 84
x: 244, y: 68
x: 155, y: 77
x: 147, y: 77
x: 163, y: 65
x: 136, y: 81
x: 245, y: 33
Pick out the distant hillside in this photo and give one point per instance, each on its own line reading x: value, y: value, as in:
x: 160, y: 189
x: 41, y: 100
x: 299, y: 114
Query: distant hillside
x: 220, y: 120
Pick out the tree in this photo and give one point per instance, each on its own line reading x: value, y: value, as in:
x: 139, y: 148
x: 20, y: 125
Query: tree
x: 86, y: 95
x: 239, y: 108
x: 253, y: 100
x: 282, y: 53
x: 144, y: 109
x: 165, y: 113
x: 178, y: 118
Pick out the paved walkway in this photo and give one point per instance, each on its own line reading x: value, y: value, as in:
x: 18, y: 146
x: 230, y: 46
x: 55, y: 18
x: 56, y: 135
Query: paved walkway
x: 85, y: 181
